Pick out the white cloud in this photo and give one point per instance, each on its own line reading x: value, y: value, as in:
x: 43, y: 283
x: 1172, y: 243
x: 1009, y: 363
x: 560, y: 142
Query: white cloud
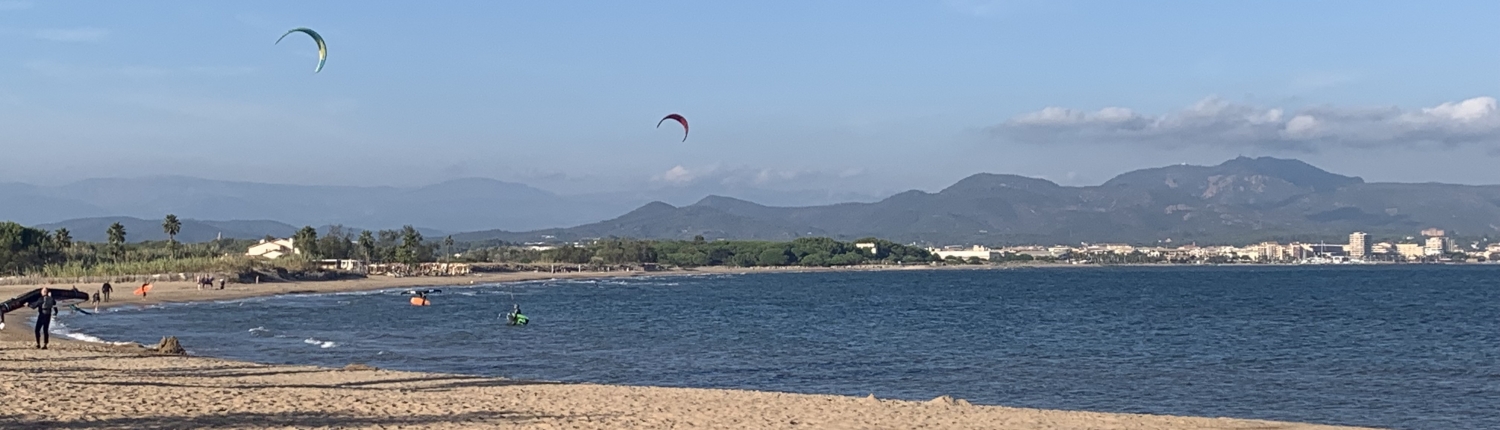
x: 1214, y: 121
x: 755, y: 177
x: 677, y: 175
x: 83, y: 34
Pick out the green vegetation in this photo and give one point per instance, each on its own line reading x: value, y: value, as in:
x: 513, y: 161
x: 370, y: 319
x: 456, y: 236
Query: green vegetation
x: 30, y: 251
x: 171, y: 226
x: 27, y: 251
x: 820, y: 252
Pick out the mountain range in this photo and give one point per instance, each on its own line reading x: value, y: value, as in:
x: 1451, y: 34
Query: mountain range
x: 455, y: 205
x: 1239, y: 201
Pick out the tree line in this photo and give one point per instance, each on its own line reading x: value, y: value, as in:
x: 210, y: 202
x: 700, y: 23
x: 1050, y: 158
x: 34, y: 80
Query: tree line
x: 383, y: 246
x: 26, y: 250
x: 820, y: 252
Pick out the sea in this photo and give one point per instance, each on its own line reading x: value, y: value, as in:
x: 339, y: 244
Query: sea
x: 1408, y: 347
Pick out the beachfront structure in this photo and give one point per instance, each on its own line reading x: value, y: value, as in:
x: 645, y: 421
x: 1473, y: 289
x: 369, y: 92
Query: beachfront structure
x: 273, y: 249
x: 1438, y: 245
x: 344, y: 265
x: 1410, y: 251
x: 1359, y: 245
x: 868, y: 247
x: 1033, y: 251
x: 977, y: 251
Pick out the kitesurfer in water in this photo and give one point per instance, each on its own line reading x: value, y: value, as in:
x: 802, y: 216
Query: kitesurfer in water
x: 515, y: 311
x: 46, y: 306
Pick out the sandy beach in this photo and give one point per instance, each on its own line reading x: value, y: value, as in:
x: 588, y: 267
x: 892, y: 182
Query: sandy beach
x: 86, y: 385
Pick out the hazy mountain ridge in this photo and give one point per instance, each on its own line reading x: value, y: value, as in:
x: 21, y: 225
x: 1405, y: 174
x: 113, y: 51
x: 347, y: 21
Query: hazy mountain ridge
x: 466, y: 204
x: 1240, y: 200
x: 141, y: 230
x: 456, y: 205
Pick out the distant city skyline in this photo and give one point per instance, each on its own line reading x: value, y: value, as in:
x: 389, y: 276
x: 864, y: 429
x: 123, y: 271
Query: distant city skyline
x: 841, y: 98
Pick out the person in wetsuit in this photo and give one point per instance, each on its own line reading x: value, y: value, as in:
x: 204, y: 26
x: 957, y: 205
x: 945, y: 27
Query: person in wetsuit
x: 46, y: 307
x: 515, y: 315
x: 106, y: 289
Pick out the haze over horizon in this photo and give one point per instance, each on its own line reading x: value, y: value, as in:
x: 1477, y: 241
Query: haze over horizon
x: 845, y: 98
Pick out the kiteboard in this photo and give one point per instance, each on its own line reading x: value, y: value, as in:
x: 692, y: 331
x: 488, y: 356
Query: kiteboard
x: 516, y: 319
x: 419, y: 297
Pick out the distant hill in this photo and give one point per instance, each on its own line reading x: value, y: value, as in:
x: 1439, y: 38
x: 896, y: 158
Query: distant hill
x: 1239, y: 201
x: 193, y: 230
x: 141, y: 230
x: 457, y: 205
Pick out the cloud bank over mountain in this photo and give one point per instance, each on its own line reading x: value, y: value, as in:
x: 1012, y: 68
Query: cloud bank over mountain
x: 1215, y: 121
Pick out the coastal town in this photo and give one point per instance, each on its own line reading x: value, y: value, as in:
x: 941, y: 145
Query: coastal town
x: 1433, y: 245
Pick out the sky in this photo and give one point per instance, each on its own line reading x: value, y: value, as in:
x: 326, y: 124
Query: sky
x: 844, y: 97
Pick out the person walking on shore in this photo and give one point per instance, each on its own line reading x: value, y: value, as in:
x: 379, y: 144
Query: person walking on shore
x: 106, y: 289
x: 46, y: 306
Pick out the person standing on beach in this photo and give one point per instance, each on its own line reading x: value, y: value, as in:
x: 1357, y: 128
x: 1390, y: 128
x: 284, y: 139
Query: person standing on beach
x: 106, y: 289
x: 46, y: 306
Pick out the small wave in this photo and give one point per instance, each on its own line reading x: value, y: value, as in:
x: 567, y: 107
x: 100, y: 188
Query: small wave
x: 59, y: 329
x: 91, y: 339
x: 320, y: 343
x: 260, y: 332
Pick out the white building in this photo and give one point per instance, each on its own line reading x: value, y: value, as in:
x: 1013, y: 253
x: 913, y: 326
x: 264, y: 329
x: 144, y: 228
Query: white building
x: 344, y: 265
x: 1410, y: 251
x: 1437, y: 245
x: 273, y: 249
x: 977, y: 251
x: 1359, y: 245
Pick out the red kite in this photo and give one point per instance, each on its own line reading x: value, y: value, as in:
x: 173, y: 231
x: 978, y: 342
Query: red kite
x: 680, y: 120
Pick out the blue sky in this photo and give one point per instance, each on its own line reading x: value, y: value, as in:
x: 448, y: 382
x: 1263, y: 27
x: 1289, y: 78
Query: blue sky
x: 848, y: 96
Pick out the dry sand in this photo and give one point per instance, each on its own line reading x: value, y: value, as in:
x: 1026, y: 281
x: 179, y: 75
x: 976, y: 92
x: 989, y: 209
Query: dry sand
x: 83, y: 385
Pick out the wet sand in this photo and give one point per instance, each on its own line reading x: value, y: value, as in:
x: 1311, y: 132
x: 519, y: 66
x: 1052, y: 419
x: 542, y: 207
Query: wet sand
x: 85, y: 385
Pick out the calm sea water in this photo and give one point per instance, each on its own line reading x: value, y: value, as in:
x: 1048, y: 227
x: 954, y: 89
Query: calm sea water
x: 1405, y: 347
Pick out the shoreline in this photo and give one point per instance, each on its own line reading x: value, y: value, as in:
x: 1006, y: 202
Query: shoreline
x: 125, y: 386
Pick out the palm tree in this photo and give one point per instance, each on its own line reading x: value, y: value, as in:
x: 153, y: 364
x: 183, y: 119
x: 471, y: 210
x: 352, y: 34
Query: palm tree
x: 64, y: 238
x: 367, y: 245
x: 448, y: 248
x: 117, y: 239
x: 306, y: 242
x: 171, y: 226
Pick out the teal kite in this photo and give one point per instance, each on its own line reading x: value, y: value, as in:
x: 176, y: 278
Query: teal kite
x: 322, y: 47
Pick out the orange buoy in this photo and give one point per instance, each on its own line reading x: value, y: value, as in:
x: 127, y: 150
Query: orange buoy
x: 420, y: 301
